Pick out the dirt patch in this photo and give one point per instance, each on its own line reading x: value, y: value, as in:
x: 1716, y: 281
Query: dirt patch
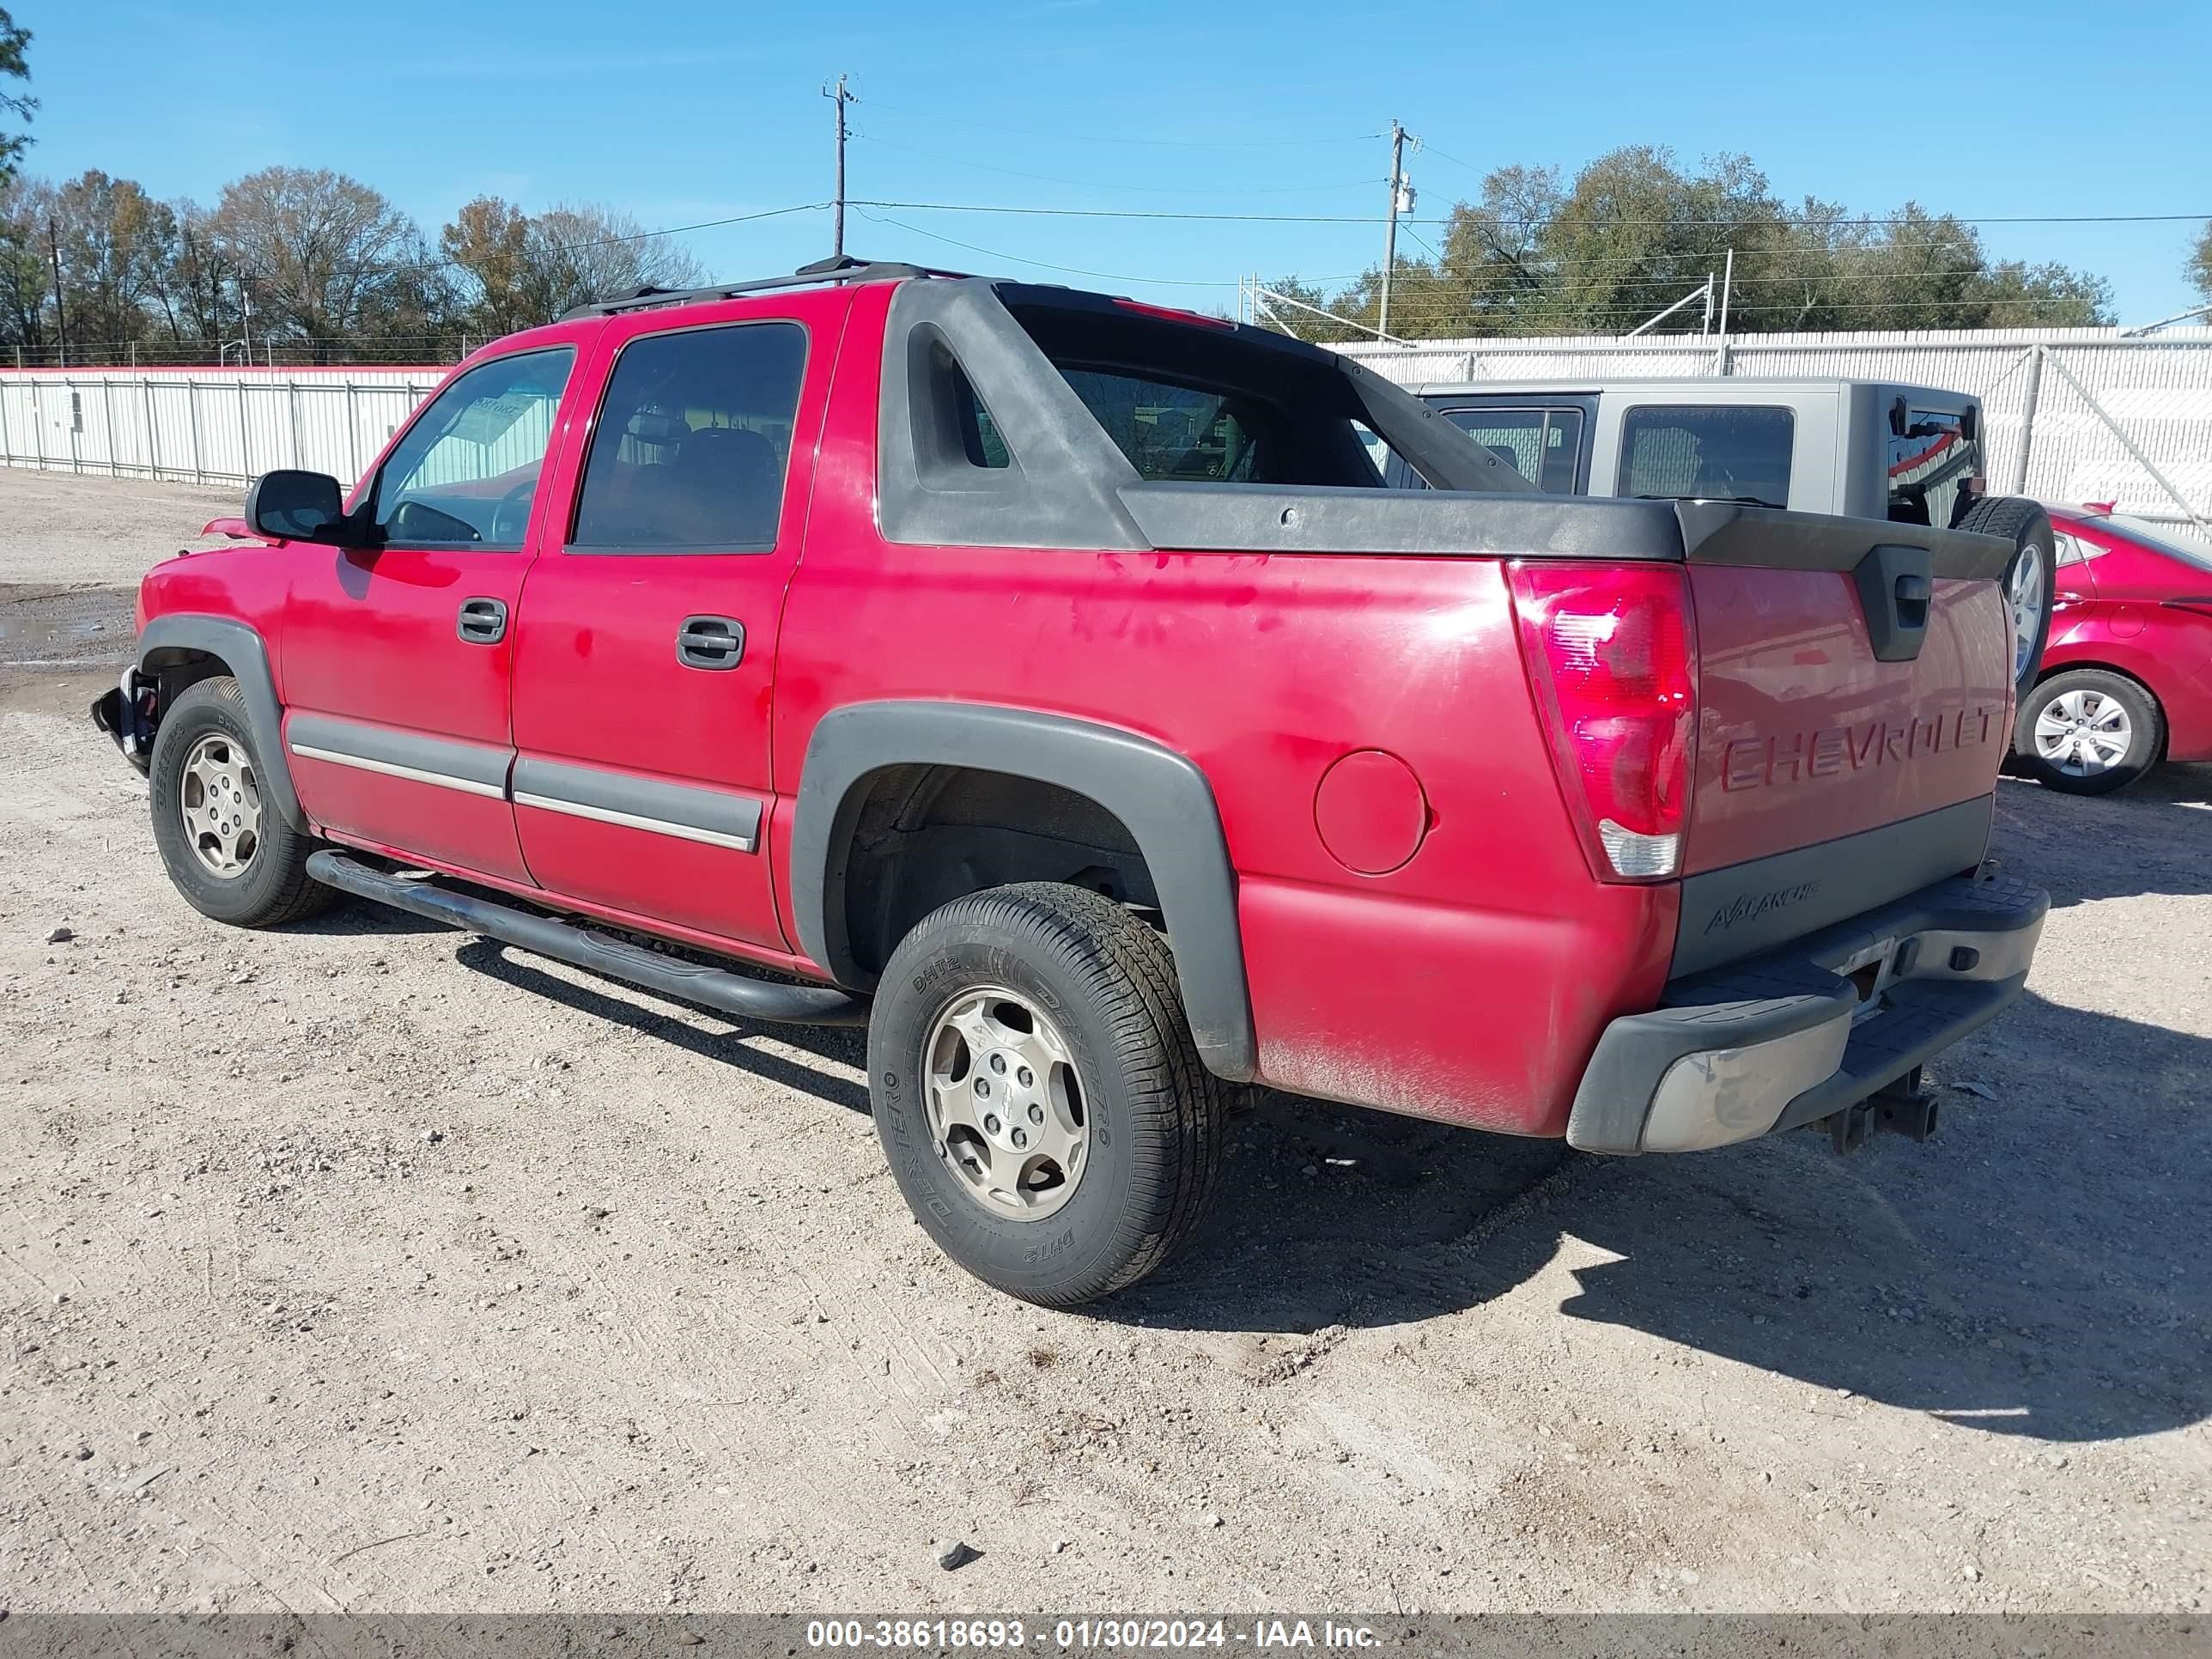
x: 365, y: 1265
x: 67, y: 529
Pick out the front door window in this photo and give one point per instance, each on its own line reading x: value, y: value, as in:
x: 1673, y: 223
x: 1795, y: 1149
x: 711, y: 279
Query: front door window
x: 467, y: 472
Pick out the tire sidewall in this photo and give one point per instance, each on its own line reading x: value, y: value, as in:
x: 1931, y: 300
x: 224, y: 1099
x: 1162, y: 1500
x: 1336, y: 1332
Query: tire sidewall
x: 1079, y: 1243
x: 203, y: 711
x: 2143, y: 719
x: 2029, y: 527
x: 2038, y: 542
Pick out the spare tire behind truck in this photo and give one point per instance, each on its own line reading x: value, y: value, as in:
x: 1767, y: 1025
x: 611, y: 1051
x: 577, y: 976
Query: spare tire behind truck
x: 2031, y: 581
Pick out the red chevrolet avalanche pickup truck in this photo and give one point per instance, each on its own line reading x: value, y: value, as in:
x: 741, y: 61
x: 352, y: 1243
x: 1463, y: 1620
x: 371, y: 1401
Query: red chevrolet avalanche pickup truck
x: 1048, y: 681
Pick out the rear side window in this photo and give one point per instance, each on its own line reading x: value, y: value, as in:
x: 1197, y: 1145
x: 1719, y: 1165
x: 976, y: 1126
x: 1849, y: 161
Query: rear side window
x: 1698, y: 453
x: 693, y: 441
x: 1930, y: 463
x: 1176, y: 433
x: 1541, y: 445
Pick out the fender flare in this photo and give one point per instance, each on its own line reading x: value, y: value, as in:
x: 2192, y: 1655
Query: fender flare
x: 1161, y: 797
x: 247, y: 655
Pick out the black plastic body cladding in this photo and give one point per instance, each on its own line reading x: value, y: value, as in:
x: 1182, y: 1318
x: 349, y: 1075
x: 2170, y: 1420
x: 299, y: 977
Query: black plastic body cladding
x: 240, y: 646
x: 1161, y: 797
x: 1745, y: 909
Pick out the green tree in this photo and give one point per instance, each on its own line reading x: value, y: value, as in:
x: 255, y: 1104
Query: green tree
x: 14, y: 66
x: 2200, y: 263
x: 1635, y: 231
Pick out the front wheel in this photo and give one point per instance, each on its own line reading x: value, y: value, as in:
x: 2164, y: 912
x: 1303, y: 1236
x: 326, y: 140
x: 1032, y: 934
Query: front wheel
x: 225, y: 842
x: 2089, y: 732
x: 1037, y: 1093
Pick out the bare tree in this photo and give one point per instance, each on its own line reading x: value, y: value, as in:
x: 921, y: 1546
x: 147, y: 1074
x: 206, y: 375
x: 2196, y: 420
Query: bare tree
x: 2200, y: 263
x: 114, y: 244
x: 598, y: 254
x: 199, y: 294
x: 518, y: 269
x: 25, y: 279
x: 324, y: 256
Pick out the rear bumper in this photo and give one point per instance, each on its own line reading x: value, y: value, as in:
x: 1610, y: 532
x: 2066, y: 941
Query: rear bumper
x: 1802, y: 1032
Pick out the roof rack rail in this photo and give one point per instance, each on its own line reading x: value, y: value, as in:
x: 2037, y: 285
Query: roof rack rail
x: 841, y: 268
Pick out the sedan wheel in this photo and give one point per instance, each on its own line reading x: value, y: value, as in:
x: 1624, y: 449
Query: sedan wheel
x: 2083, y: 732
x: 2088, y: 731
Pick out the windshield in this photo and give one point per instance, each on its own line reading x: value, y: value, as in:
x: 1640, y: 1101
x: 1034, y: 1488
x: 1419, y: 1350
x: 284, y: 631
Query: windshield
x: 2162, y: 538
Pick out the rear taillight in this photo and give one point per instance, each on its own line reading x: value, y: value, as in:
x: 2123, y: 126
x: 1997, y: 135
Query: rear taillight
x: 1611, y: 651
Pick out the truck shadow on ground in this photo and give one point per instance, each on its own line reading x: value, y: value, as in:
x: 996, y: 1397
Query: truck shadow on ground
x: 619, y: 1004
x: 2043, y: 1267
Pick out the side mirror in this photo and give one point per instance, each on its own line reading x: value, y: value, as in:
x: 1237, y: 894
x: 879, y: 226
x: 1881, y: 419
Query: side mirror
x: 296, y: 506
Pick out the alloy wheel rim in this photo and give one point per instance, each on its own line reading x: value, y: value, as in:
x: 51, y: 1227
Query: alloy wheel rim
x: 1008, y: 1113
x: 219, y: 800
x: 2083, y: 732
x: 2026, y: 593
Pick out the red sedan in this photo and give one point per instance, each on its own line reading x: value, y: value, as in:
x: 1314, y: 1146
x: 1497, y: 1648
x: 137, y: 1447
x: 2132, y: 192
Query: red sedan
x: 2127, y: 675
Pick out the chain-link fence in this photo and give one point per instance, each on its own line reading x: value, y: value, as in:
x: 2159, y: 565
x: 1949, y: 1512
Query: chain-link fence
x: 2073, y: 414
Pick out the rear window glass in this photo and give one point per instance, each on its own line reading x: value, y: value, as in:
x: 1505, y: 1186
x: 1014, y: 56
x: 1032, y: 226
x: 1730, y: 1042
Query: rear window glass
x: 1190, y: 400
x: 2163, y: 538
x: 1698, y: 453
x: 1541, y: 445
x: 1930, y: 463
x: 1176, y: 433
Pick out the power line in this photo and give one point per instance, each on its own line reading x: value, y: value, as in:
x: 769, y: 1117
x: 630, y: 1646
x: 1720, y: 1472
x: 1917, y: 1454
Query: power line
x: 1375, y: 220
x: 1158, y: 144
x: 1071, y: 271
x: 1093, y: 184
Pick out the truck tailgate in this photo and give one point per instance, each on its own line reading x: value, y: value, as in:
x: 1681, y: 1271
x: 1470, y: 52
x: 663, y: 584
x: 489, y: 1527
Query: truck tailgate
x: 1855, y: 700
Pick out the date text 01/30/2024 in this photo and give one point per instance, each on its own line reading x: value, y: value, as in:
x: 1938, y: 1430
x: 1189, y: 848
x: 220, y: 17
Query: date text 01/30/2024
x: 1108, y: 1633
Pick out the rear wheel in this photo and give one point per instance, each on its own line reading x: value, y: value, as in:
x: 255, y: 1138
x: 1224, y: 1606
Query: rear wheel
x: 2089, y: 732
x: 1037, y: 1093
x: 225, y: 842
x: 2030, y: 583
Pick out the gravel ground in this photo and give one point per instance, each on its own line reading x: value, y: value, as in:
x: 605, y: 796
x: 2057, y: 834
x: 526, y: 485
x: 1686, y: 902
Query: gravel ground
x: 368, y: 1267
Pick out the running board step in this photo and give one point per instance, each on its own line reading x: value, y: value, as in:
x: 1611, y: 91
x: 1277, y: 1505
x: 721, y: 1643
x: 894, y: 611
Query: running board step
x: 602, y: 953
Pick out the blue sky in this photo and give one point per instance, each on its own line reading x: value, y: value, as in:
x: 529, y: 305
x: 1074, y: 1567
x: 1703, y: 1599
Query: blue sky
x: 682, y: 112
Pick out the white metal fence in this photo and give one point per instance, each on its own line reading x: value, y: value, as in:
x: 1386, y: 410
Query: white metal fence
x: 204, y: 425
x: 2073, y: 414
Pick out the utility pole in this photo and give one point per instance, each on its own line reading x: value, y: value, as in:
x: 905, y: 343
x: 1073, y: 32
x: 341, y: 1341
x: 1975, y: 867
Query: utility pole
x: 61, y: 317
x: 840, y: 97
x: 245, y: 318
x: 1401, y: 201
